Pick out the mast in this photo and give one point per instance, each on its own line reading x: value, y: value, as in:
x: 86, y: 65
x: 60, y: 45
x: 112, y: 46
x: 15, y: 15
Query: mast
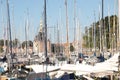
x: 10, y: 37
x: 68, y: 55
x: 88, y: 39
x: 58, y: 39
x: 114, y: 34
x: 60, y: 32
x: 45, y: 28
x: 116, y: 26
x: 100, y: 29
x: 26, y: 33
x: 109, y: 27
x: 77, y: 36
x: 119, y: 33
x: 103, y: 26
x: 94, y: 25
x: 27, y: 27
x: 45, y: 35
x: 26, y: 37
x: 74, y: 20
x: 80, y: 34
x: 119, y: 19
x: 54, y: 39
x: 4, y: 36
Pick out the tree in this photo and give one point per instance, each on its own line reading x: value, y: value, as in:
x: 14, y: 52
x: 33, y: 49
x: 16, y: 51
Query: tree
x: 57, y: 48
x: 71, y: 48
x: 1, y: 42
x: 53, y: 48
x: 15, y: 42
x: 1, y: 49
x: 29, y: 44
x: 109, y: 34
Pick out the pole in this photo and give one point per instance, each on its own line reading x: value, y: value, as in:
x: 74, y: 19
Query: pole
x: 102, y: 25
x: 109, y: 28
x: 74, y: 21
x: 45, y: 35
x: 94, y: 33
x: 119, y: 17
x: 45, y: 25
x: 9, y: 29
x: 26, y: 38
x: 119, y: 33
x: 68, y: 55
x: 100, y: 29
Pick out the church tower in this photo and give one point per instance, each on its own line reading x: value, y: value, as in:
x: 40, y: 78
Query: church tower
x: 41, y: 26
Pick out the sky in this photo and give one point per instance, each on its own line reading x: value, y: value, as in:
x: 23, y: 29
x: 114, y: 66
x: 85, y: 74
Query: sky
x: 32, y: 11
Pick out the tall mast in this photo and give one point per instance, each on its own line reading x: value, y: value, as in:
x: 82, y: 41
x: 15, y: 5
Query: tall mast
x: 94, y: 32
x: 10, y: 37
x: 60, y: 32
x: 100, y: 29
x: 9, y: 26
x: 28, y: 29
x: 114, y: 34
x: 109, y: 28
x: 119, y: 17
x: 119, y: 32
x: 45, y: 34
x: 4, y: 35
x: 103, y: 29
x: 67, y: 30
x: 45, y: 29
x: 119, y: 21
x: 14, y: 35
x: 54, y: 40
x: 74, y: 12
x: 80, y: 35
x: 88, y: 40
x: 26, y: 37
x: 26, y: 33
x: 77, y: 35
x: 58, y: 39
x: 116, y: 26
x: 79, y: 38
x: 74, y: 20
